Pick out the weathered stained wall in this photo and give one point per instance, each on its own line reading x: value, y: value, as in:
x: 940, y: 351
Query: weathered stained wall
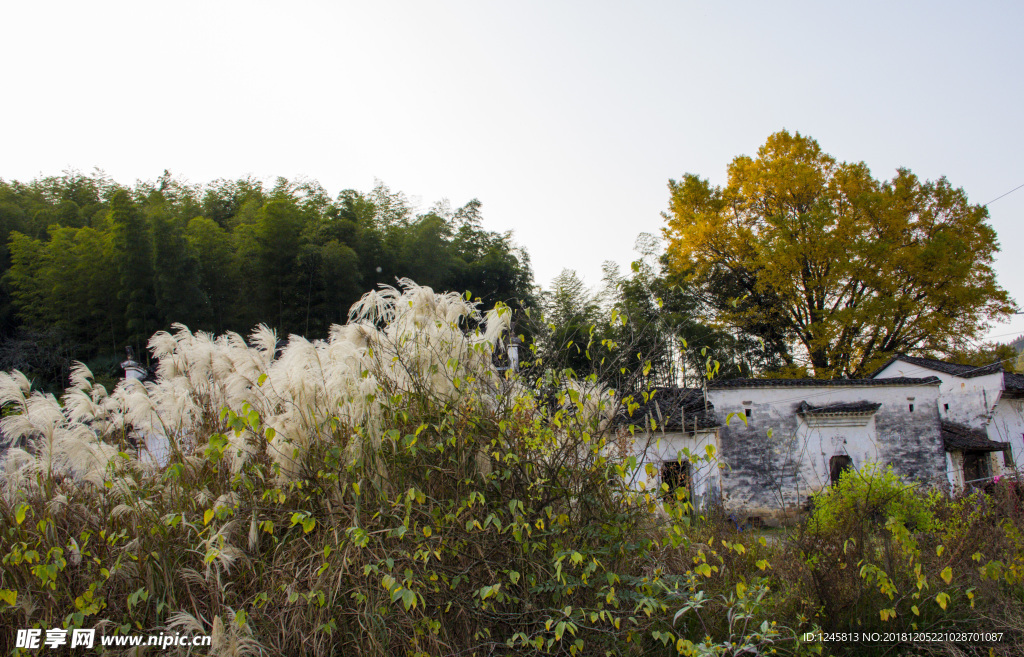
x: 976, y: 401
x: 955, y: 470
x: 912, y: 442
x: 775, y: 460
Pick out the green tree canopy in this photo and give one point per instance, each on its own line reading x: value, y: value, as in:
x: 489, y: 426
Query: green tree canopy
x: 95, y: 266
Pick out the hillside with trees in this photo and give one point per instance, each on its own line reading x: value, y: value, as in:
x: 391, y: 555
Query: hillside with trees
x: 89, y: 265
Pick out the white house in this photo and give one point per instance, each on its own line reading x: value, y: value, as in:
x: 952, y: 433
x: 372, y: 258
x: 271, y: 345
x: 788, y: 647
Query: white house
x: 675, y: 441
x: 789, y: 438
x: 761, y: 447
x: 986, y: 402
x: 154, y: 450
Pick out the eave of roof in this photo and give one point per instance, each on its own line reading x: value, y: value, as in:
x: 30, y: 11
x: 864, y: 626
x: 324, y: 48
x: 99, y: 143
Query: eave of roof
x: 1014, y: 382
x: 672, y: 409
x: 848, y: 408
x: 823, y: 383
x: 962, y: 438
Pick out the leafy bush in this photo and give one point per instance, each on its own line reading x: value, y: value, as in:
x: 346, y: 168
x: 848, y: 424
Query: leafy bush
x: 880, y: 555
x: 873, y: 495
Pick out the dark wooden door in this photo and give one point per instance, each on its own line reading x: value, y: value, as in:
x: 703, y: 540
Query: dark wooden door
x: 975, y: 466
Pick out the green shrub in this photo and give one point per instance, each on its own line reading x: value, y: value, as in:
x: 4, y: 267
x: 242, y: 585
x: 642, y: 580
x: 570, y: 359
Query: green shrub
x: 881, y: 555
x: 873, y: 496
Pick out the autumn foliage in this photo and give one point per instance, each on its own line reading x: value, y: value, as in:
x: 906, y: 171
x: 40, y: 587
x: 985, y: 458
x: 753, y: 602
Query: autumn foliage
x: 834, y: 268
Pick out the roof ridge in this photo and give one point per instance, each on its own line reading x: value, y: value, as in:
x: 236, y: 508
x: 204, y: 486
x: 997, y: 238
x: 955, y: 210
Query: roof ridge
x: 962, y: 370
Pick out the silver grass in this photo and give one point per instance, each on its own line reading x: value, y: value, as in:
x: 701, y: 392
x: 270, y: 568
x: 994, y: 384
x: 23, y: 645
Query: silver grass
x: 14, y: 388
x: 57, y: 504
x: 254, y: 534
x: 184, y: 622
x: 229, y: 639
x: 19, y: 468
x: 192, y: 577
x: 225, y: 553
x: 403, y: 339
x: 120, y: 511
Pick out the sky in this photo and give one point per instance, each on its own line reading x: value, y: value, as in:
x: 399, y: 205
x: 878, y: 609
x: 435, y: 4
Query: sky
x: 566, y: 119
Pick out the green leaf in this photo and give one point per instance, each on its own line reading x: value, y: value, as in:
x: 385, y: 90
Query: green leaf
x: 173, y: 471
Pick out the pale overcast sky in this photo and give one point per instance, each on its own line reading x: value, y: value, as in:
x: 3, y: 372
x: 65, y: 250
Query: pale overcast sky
x: 566, y: 119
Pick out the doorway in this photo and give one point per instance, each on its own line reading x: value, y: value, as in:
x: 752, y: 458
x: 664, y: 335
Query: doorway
x: 676, y: 474
x: 837, y: 465
x: 976, y: 466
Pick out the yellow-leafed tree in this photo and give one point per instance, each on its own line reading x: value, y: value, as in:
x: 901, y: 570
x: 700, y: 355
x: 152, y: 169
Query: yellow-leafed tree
x: 837, y: 268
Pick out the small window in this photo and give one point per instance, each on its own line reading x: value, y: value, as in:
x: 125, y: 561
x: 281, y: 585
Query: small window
x: 837, y: 465
x: 911, y: 408
x: 945, y: 407
x: 746, y: 411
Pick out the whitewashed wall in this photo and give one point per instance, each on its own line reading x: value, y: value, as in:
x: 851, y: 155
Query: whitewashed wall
x: 970, y: 401
x: 775, y: 460
x: 1007, y: 425
x: 977, y: 402
x: 955, y: 470
x: 155, y: 450
x: 658, y: 448
x: 824, y: 437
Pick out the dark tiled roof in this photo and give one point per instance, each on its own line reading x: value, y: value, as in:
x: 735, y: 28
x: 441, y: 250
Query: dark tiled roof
x: 822, y: 383
x: 959, y: 437
x: 844, y: 408
x: 673, y: 409
x: 1013, y: 381
x: 956, y: 369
